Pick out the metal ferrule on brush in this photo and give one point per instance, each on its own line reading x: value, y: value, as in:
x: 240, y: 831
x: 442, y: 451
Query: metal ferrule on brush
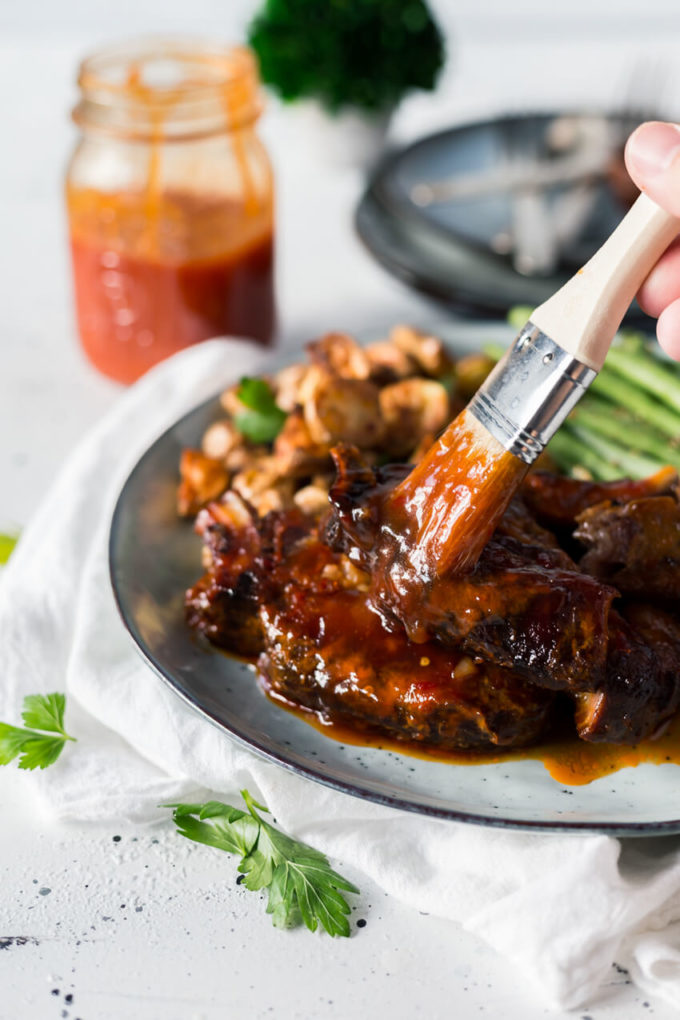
x: 530, y: 392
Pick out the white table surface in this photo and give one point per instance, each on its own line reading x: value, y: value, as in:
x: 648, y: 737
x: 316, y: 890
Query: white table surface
x: 148, y: 925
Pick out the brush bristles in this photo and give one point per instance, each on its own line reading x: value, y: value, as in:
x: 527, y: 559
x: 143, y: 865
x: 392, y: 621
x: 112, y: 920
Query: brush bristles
x: 457, y: 495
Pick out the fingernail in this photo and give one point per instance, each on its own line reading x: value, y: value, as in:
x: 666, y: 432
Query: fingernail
x: 652, y: 147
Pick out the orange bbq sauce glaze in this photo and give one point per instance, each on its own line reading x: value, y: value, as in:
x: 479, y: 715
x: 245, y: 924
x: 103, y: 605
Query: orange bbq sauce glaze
x: 570, y: 761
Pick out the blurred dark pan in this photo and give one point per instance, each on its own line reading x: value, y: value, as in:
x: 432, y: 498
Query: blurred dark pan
x: 493, y: 214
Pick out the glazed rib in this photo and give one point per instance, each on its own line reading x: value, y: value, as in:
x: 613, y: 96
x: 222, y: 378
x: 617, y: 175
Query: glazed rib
x: 341, y: 624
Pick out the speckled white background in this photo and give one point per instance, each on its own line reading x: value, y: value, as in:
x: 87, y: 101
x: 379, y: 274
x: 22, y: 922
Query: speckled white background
x: 148, y: 925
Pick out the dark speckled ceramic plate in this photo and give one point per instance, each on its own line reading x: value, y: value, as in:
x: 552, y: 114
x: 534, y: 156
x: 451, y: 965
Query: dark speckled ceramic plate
x: 155, y: 557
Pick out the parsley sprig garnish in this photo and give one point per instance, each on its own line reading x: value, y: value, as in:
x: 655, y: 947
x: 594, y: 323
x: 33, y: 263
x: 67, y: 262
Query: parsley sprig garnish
x: 263, y: 419
x: 302, y: 886
x: 42, y: 712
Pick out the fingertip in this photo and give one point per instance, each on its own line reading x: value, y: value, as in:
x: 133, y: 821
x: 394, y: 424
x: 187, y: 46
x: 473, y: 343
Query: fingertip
x: 652, y: 158
x: 668, y: 330
x: 652, y: 148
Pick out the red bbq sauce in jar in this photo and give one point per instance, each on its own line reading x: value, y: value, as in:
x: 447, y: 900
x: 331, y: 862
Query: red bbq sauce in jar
x: 170, y: 204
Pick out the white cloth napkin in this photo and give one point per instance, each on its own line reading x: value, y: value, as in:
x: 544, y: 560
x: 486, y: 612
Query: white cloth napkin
x: 562, y: 909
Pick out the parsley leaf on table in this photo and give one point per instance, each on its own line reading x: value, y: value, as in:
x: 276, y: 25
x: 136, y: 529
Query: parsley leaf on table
x: 263, y: 419
x: 7, y: 543
x: 302, y: 886
x: 36, y: 749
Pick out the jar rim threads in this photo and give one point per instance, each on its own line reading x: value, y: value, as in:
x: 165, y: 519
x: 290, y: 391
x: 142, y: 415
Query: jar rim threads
x: 194, y: 87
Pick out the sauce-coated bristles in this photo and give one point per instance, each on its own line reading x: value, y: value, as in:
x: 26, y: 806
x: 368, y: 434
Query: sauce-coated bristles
x: 457, y: 495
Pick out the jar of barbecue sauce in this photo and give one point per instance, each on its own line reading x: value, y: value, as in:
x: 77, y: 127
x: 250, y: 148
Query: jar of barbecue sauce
x: 170, y: 203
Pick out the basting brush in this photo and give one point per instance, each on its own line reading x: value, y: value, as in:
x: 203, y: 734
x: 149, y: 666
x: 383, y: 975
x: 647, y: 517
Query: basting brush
x: 456, y: 495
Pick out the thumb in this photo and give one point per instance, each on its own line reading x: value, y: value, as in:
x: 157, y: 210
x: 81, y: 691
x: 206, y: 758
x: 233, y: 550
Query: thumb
x: 653, y: 161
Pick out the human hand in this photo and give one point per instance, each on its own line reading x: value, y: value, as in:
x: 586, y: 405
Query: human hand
x: 653, y: 161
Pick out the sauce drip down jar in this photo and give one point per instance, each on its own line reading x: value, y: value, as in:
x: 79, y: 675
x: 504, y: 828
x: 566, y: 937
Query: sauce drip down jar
x: 170, y: 203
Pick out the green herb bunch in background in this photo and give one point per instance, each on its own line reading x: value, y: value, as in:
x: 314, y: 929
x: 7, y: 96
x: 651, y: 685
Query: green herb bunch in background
x: 364, y: 54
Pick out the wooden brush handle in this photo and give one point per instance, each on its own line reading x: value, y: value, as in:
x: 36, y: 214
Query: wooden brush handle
x: 583, y: 316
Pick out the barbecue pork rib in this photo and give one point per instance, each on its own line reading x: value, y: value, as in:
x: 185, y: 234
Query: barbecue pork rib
x: 275, y: 590
x: 526, y: 605
x: 330, y: 653
x: 342, y: 623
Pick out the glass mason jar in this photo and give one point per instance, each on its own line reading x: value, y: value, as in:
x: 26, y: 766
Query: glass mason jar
x: 170, y: 203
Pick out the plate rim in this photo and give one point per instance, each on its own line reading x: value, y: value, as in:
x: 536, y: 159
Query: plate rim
x: 314, y: 774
